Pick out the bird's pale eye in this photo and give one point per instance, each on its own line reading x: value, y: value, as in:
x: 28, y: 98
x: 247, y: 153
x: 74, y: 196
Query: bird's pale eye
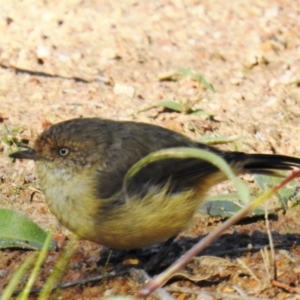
x: 63, y: 151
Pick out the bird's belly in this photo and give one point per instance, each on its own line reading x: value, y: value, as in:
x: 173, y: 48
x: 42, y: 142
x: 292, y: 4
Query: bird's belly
x: 145, y: 222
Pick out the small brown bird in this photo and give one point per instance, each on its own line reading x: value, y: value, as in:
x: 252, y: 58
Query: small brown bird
x: 81, y: 164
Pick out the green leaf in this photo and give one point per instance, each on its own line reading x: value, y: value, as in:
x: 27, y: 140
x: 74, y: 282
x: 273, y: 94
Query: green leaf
x: 18, y: 231
x: 201, y: 112
x: 36, y: 268
x: 58, y: 271
x: 198, y: 77
x: 171, y: 105
x: 285, y: 194
x: 226, y: 205
x: 211, y: 140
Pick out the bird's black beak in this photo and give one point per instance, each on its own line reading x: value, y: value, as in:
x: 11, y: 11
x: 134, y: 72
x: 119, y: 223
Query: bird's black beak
x: 26, y: 154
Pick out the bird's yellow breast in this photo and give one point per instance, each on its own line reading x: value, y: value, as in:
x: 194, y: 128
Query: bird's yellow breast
x: 68, y: 196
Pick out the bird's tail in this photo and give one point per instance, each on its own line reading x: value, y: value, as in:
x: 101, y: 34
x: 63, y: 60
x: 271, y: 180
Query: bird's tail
x: 266, y: 164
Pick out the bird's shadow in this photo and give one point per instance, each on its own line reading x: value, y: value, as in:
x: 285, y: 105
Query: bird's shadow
x: 232, y: 245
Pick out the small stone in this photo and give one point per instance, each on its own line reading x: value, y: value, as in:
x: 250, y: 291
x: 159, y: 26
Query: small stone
x: 42, y: 52
x: 124, y: 89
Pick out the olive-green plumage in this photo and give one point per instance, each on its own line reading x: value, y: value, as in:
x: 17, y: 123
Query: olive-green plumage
x: 81, y: 164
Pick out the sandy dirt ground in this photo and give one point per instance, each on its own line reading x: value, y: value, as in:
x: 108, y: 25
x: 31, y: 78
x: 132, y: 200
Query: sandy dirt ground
x: 118, y: 60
